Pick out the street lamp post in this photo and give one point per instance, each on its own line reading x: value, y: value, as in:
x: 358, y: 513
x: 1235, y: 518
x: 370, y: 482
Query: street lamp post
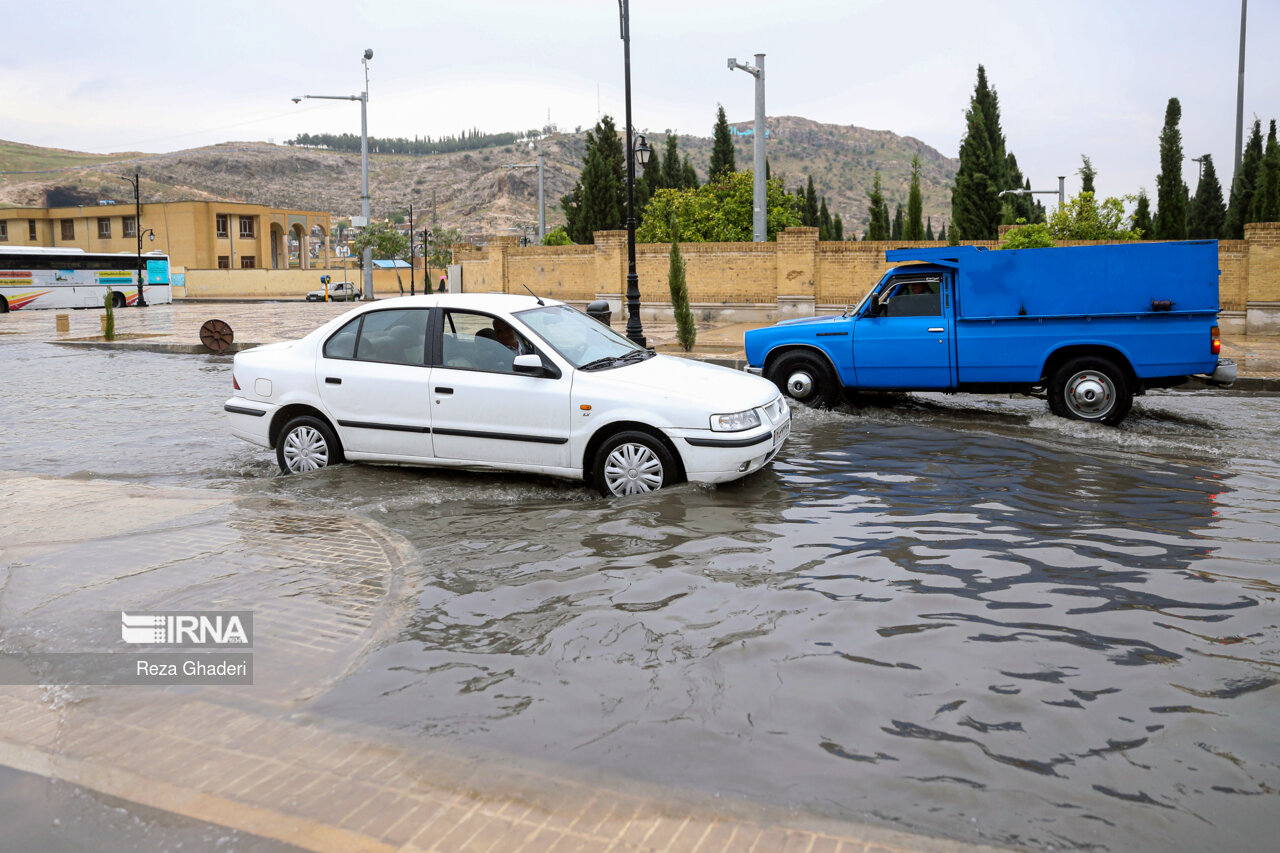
x: 759, y: 218
x: 412, y: 258
x: 639, y: 149
x: 1060, y: 192
x: 542, y: 205
x: 137, y: 227
x: 363, y: 98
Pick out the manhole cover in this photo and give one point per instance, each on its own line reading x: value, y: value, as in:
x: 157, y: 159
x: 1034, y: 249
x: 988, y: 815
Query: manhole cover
x: 216, y: 335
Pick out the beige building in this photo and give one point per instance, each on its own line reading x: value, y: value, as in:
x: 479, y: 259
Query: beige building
x: 195, y: 234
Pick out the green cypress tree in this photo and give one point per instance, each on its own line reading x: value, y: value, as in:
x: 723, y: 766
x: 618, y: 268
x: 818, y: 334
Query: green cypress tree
x: 672, y: 174
x: 824, y: 221
x: 688, y: 175
x: 1207, y: 214
x: 686, y: 329
x: 1141, y: 221
x: 915, y: 204
x: 895, y: 232
x: 837, y: 227
x: 1266, y: 198
x: 1245, y: 185
x: 975, y: 203
x: 598, y: 200
x: 942, y: 235
x: 1171, y: 192
x: 928, y: 228
x: 721, y: 148
x: 810, y: 205
x: 877, y: 212
x: 1087, y: 174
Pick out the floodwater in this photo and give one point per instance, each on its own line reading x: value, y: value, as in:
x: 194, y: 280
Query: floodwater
x: 953, y: 615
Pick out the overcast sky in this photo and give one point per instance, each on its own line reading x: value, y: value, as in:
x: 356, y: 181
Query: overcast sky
x: 1074, y: 76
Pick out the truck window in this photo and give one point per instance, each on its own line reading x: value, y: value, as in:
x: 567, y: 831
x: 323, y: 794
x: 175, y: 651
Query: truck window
x: 912, y: 297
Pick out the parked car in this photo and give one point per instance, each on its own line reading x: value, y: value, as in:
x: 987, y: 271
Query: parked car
x: 505, y: 382
x: 339, y: 291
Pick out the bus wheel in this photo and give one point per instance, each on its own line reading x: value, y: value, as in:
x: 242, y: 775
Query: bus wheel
x: 4, y: 305
x: 117, y: 299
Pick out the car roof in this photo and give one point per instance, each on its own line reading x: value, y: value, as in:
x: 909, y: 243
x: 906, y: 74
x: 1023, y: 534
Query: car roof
x: 506, y: 302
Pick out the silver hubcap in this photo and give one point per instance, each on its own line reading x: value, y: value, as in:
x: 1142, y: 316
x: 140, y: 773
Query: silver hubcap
x: 631, y: 469
x: 800, y: 384
x: 305, y: 450
x: 1090, y: 395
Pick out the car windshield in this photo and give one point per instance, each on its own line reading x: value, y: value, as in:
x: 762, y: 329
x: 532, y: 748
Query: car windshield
x: 586, y: 343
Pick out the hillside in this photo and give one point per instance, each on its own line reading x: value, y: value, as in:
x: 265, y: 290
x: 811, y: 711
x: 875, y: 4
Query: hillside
x: 471, y: 191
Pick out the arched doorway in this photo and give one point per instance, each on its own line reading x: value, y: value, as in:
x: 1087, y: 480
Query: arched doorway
x: 279, y: 248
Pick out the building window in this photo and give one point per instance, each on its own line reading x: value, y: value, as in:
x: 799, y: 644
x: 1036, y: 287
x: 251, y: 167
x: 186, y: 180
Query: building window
x: 31, y: 230
x: 129, y: 226
x: 68, y: 229
x: 248, y: 262
x: 246, y: 227
x: 224, y: 262
x: 221, y: 220
x: 104, y: 226
x: 4, y: 230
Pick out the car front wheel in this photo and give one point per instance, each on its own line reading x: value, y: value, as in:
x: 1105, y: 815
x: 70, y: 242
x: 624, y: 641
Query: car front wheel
x: 307, y: 444
x: 631, y: 463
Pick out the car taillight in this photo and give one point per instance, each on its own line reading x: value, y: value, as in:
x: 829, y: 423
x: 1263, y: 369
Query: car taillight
x: 236, y: 385
x: 1215, y: 341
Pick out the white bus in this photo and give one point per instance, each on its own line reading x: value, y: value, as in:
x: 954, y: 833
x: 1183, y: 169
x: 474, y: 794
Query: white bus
x: 73, y: 278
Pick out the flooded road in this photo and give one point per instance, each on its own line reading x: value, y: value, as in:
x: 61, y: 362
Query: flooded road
x: 953, y: 615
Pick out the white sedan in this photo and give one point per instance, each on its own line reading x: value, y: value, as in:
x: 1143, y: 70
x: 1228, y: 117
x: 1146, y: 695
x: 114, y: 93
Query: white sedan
x: 507, y: 382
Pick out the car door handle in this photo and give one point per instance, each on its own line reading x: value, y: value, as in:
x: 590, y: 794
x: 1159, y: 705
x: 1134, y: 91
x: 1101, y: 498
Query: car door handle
x: 440, y: 389
x: 937, y: 329
x: 332, y: 380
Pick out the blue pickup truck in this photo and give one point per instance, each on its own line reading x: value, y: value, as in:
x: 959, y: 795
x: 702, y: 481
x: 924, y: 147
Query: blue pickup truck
x: 1089, y: 327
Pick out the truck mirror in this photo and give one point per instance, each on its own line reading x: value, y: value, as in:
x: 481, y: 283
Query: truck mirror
x: 875, y: 304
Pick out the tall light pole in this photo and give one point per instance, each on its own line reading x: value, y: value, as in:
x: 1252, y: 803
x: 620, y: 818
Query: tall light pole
x: 759, y: 217
x: 137, y: 227
x: 542, y: 205
x: 637, y: 149
x: 363, y: 98
x: 1244, y: 7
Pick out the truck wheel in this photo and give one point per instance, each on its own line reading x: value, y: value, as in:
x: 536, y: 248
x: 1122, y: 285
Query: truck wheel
x: 805, y: 379
x: 1090, y: 389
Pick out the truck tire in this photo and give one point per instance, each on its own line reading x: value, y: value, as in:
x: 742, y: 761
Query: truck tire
x: 805, y: 379
x: 1090, y: 388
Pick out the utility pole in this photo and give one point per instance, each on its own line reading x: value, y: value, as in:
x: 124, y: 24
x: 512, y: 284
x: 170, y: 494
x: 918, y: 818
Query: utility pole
x: 1244, y: 7
x: 759, y: 210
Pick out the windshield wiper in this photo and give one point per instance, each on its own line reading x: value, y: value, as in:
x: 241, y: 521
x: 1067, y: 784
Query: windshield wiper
x: 607, y: 361
x: 633, y: 356
x: 616, y: 360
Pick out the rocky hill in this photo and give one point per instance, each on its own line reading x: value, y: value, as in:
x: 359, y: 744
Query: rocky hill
x: 472, y: 191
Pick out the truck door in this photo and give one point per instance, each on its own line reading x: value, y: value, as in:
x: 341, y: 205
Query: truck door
x: 904, y: 340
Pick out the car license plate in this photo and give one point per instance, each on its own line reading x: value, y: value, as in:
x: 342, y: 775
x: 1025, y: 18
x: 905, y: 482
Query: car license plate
x: 781, y: 433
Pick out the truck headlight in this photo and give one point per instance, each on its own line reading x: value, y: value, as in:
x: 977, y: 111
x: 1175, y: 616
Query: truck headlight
x: 735, y: 422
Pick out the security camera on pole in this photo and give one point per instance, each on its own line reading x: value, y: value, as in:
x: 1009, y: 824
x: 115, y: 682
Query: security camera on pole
x: 363, y: 221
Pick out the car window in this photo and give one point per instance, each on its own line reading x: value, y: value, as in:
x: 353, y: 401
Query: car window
x: 474, y: 341
x: 343, y: 342
x: 393, y: 337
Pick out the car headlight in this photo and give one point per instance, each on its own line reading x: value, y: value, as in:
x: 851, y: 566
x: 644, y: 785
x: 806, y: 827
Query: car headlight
x: 735, y: 422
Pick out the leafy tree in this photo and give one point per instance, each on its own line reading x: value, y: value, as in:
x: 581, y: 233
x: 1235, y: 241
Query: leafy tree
x: 1029, y: 236
x: 387, y: 243
x: 1266, y: 198
x: 1208, y: 214
x: 895, y: 232
x: 1141, y: 221
x: 1171, y: 192
x: 1083, y: 218
x: 721, y: 148
x: 718, y: 212
x: 686, y: 329
x: 598, y: 201
x: 915, y: 204
x: 557, y: 237
x: 1245, y: 185
x: 1087, y: 174
x: 877, y: 212
x: 438, y: 252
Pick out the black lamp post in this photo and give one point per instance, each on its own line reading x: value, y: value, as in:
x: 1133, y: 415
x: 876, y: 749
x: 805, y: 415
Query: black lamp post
x: 137, y: 227
x: 637, y: 150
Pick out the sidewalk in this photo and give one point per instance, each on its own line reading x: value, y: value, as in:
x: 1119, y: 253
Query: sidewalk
x: 324, y: 588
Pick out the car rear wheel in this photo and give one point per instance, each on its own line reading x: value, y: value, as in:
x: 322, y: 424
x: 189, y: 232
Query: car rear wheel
x: 631, y: 463
x: 1090, y: 389
x: 805, y: 379
x: 307, y: 444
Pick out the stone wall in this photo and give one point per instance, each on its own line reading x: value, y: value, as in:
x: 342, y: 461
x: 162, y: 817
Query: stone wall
x: 798, y: 275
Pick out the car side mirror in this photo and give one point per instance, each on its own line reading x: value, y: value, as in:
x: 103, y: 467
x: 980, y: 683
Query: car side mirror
x: 529, y: 364
x: 875, y: 304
